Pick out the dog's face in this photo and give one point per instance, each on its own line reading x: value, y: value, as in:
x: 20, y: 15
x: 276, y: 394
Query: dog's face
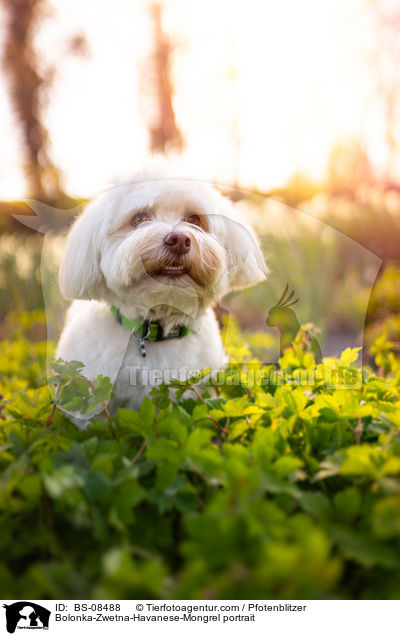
x: 160, y: 242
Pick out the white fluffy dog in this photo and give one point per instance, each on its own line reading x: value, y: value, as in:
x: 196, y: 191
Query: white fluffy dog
x: 144, y: 264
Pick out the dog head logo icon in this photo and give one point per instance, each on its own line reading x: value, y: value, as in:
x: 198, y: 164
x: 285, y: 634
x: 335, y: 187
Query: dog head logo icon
x: 26, y: 615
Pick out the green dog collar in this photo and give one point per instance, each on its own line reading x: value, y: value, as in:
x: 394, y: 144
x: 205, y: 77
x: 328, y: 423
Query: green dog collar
x: 144, y: 330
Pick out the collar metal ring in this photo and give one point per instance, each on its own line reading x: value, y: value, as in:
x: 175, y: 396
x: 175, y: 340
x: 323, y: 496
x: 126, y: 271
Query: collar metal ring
x: 142, y: 337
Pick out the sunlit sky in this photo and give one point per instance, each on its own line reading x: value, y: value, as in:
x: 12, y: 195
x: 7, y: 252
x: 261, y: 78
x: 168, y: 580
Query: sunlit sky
x: 262, y: 89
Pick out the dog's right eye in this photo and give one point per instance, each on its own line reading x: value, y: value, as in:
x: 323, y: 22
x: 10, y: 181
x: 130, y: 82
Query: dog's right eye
x: 140, y: 217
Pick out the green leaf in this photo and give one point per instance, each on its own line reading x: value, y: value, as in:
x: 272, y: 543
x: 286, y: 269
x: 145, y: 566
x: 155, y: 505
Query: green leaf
x: 285, y: 465
x: 62, y: 480
x: 97, y: 485
x: 316, y: 504
x: 347, y: 504
x: 386, y: 517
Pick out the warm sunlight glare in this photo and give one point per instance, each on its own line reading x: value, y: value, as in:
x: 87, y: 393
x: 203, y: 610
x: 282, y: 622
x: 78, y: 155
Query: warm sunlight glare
x: 262, y: 90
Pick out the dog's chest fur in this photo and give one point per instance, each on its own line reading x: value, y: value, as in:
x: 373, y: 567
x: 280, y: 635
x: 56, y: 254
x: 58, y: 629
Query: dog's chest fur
x: 93, y: 336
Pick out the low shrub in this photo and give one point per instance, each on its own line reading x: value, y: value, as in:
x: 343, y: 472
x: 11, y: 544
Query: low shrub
x: 282, y: 489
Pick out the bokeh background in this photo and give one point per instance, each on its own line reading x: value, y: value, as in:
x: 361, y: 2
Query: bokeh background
x: 292, y: 108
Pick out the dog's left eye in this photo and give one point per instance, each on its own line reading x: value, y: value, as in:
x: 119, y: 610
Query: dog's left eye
x: 140, y: 217
x: 194, y: 219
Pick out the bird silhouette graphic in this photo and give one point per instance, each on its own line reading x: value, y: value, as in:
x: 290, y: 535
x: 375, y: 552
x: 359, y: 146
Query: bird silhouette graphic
x: 284, y: 318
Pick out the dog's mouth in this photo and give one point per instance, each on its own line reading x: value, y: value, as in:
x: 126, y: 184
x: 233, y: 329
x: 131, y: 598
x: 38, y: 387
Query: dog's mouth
x: 172, y: 271
x: 175, y: 271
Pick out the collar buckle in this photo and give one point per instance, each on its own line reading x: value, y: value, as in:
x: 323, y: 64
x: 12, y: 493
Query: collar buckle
x: 176, y: 332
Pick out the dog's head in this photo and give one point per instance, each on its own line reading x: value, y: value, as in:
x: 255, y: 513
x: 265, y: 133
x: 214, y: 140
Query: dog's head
x: 160, y: 241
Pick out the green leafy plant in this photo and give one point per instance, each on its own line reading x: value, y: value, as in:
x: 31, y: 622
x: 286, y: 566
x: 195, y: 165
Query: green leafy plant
x: 74, y: 392
x: 274, y: 483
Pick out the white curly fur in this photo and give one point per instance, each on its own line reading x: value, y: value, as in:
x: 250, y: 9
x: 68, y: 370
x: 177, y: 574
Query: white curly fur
x: 108, y: 261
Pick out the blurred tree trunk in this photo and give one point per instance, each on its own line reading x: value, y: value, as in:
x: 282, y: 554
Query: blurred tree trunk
x: 164, y: 132
x: 27, y: 91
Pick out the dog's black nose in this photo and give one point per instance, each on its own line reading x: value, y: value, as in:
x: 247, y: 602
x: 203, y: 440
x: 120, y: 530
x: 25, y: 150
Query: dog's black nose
x: 177, y: 242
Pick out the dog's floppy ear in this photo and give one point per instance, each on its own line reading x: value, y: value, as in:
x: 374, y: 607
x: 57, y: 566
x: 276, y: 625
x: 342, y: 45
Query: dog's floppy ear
x: 80, y: 275
x: 245, y: 264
